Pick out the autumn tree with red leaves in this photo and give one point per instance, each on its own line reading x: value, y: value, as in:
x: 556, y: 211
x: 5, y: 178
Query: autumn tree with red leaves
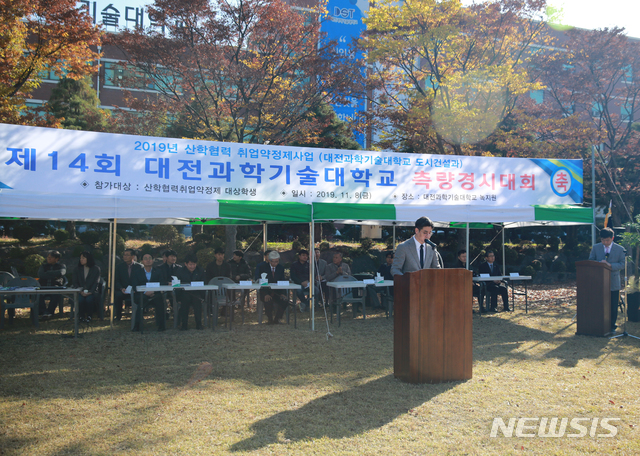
x: 246, y: 71
x: 37, y: 35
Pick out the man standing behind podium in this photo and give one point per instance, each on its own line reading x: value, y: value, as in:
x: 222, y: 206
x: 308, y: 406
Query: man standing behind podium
x: 612, y: 254
x: 418, y: 252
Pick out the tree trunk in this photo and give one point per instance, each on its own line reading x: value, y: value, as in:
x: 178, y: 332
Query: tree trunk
x: 230, y: 240
x: 71, y: 229
x: 196, y: 229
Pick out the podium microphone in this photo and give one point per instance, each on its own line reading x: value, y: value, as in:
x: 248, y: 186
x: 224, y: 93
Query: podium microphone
x: 432, y: 244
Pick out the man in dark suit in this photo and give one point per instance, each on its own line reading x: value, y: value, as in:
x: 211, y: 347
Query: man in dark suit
x: 125, y: 272
x: 191, y: 273
x: 273, y: 298
x: 416, y: 253
x: 496, y: 287
x: 170, y: 267
x: 612, y: 254
x: 150, y: 274
x: 51, y: 274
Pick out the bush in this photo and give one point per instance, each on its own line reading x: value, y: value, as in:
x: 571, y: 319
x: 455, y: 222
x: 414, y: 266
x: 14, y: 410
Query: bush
x: 217, y: 242
x: 529, y: 271
x: 181, y: 247
x: 296, y: 245
x: 23, y: 233
x: 77, y: 250
x: 205, y: 256
x: 536, y: 265
x: 366, y: 243
x: 165, y: 234
x: 32, y: 263
x: 89, y: 237
x: 389, y: 243
x: 60, y: 235
x: 203, y: 238
x: 103, y: 244
x: 559, y: 266
x: 554, y: 243
x: 324, y: 245
x: 17, y: 253
x: 146, y: 248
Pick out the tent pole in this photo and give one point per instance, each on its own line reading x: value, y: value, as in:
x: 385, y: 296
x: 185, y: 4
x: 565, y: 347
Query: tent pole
x: 468, y: 252
x: 393, y: 245
x: 113, y: 269
x: 504, y: 262
x: 593, y: 194
x: 264, y: 238
x: 312, y: 255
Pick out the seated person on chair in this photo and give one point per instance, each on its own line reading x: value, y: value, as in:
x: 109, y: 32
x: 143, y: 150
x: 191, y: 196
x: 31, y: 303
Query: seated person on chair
x: 125, y: 272
x: 477, y: 288
x: 51, y: 274
x: 496, y: 287
x: 218, y: 267
x: 337, y: 268
x: 265, y: 255
x: 273, y: 299
x: 385, y: 269
x: 300, y: 274
x: 86, y: 276
x: 612, y: 254
x: 150, y: 298
x: 191, y: 273
x: 170, y: 267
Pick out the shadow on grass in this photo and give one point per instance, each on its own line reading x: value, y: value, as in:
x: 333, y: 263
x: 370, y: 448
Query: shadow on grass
x: 350, y: 413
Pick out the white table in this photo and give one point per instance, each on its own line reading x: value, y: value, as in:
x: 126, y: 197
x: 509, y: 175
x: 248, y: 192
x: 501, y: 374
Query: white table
x: 351, y: 284
x: 135, y: 306
x: 46, y: 291
x: 511, y: 280
x: 523, y: 279
x: 229, y: 297
x: 388, y: 297
x: 166, y: 288
x: 274, y: 286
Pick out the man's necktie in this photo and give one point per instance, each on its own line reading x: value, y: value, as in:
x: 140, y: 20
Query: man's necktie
x: 491, y: 268
x: 421, y: 256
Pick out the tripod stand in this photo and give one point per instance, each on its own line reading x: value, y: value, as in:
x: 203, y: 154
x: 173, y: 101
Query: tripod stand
x: 623, y: 301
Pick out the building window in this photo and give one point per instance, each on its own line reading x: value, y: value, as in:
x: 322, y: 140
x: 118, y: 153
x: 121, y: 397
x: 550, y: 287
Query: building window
x: 115, y: 75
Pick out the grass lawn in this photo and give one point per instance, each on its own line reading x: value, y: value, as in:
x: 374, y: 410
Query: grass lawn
x: 279, y: 390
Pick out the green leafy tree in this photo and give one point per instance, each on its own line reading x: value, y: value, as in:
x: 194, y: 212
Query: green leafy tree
x: 75, y: 103
x: 330, y: 132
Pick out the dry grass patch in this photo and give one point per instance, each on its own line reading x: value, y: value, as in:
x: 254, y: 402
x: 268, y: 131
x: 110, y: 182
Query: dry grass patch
x: 280, y: 390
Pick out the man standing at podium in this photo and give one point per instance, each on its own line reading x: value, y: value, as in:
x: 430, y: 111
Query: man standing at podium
x: 612, y: 254
x: 418, y: 252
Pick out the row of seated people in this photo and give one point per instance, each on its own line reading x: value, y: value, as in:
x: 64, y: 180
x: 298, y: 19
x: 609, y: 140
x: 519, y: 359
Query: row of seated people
x: 493, y: 288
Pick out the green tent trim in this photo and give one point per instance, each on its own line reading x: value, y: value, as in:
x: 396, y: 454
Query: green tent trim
x: 353, y: 211
x: 286, y: 211
x: 563, y: 213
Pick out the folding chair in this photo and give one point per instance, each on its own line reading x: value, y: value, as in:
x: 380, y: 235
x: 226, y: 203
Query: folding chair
x: 21, y: 301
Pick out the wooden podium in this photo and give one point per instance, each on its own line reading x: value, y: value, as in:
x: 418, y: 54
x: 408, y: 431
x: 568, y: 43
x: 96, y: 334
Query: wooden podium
x: 432, y: 339
x: 594, y: 298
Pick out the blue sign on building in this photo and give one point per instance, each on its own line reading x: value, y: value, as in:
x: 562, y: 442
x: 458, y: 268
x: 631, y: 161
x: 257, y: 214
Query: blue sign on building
x: 343, y: 24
